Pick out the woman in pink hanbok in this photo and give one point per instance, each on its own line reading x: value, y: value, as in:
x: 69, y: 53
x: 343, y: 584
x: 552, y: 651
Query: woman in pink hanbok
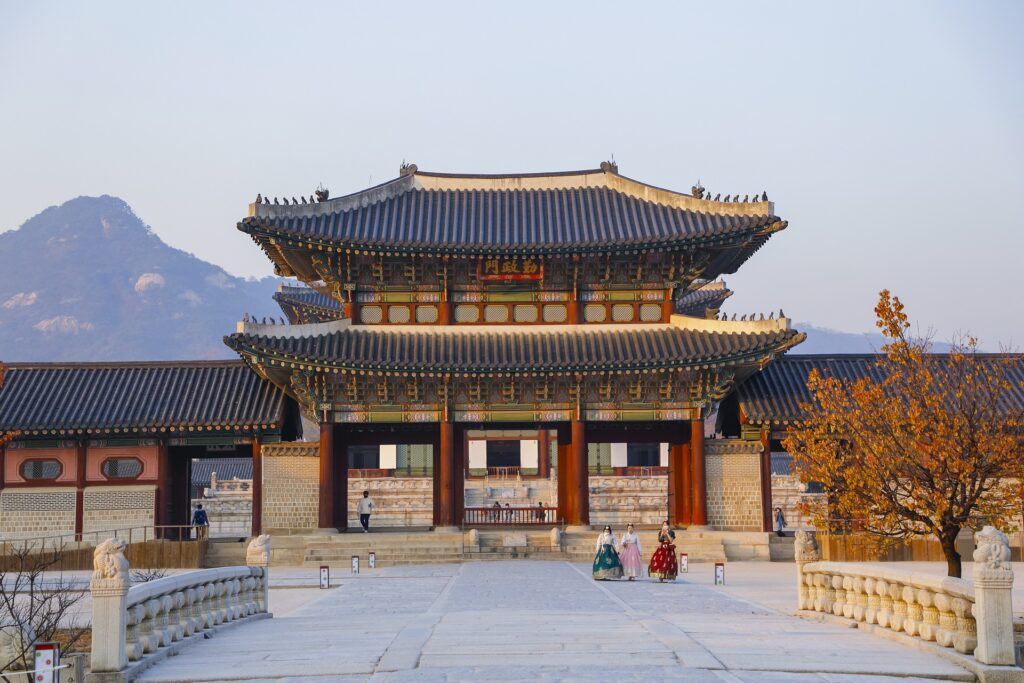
x: 631, y: 555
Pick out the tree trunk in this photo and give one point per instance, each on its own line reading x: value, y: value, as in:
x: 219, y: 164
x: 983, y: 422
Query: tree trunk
x: 948, y: 540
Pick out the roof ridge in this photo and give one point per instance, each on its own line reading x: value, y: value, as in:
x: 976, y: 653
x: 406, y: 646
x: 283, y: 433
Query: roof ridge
x: 29, y: 365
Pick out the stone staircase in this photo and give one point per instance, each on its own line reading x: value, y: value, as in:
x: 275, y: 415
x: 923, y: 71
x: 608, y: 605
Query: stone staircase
x: 391, y: 548
x: 781, y: 548
x: 225, y: 552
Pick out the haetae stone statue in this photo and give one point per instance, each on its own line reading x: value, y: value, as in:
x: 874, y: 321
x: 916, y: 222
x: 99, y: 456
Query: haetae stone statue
x: 109, y: 565
x: 993, y: 590
x: 258, y: 552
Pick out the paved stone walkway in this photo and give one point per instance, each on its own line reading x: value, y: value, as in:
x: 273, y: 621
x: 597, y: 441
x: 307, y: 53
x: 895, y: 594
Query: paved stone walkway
x: 548, y: 621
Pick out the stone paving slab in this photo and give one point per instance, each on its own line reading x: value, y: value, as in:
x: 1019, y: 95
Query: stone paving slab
x: 534, y: 620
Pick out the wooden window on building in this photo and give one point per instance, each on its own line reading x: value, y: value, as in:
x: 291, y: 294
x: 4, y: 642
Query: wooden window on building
x: 356, y: 390
x: 40, y: 470
x: 121, y: 468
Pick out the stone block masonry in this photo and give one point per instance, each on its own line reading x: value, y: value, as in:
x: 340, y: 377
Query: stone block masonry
x: 118, y: 507
x: 31, y: 512
x: 733, y: 484
x: 291, y: 485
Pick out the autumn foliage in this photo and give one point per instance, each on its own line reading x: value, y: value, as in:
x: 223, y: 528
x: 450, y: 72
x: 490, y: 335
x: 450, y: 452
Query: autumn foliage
x: 924, y: 446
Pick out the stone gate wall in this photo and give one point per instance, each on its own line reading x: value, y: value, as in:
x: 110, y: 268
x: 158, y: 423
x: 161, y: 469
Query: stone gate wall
x: 733, y: 468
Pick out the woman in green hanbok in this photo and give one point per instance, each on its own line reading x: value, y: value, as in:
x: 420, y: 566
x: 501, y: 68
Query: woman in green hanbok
x: 606, y: 562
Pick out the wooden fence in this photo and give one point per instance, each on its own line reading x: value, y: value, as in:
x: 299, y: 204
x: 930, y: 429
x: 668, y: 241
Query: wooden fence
x: 853, y: 547
x: 175, y: 549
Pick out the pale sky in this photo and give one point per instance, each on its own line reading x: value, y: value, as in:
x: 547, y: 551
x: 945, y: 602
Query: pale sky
x: 889, y: 134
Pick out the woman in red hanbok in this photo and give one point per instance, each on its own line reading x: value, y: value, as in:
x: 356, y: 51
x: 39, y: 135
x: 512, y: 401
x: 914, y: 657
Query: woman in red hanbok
x: 663, y: 564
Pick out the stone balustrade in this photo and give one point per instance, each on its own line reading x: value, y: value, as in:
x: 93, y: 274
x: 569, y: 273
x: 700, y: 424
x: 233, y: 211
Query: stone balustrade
x: 132, y: 623
x: 970, y: 618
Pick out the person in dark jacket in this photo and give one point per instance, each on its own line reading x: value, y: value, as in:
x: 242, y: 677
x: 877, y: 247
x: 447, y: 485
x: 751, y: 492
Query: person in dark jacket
x: 200, y: 521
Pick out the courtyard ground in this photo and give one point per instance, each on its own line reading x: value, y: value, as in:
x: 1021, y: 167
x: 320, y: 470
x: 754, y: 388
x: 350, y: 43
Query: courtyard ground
x: 535, y: 620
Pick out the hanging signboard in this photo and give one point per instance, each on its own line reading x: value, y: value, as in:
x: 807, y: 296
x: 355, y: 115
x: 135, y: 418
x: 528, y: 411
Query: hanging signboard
x: 47, y: 657
x: 372, y: 561
x: 510, y: 268
x: 684, y: 563
x: 355, y: 564
x: 719, y: 573
x: 325, y: 576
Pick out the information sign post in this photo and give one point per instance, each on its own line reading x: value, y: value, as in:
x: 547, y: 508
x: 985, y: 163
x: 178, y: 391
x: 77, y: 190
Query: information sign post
x: 47, y: 657
x: 355, y: 564
x: 325, y: 576
x: 684, y: 563
x: 719, y: 573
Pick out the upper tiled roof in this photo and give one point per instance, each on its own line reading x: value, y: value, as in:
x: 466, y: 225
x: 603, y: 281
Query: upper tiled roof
x: 533, y: 213
x: 319, y: 305
x: 775, y: 394
x: 558, y: 349
x: 137, y: 398
x: 698, y: 301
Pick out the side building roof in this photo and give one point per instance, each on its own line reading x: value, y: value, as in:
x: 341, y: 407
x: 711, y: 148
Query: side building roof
x: 141, y: 399
x: 703, y: 301
x: 774, y: 395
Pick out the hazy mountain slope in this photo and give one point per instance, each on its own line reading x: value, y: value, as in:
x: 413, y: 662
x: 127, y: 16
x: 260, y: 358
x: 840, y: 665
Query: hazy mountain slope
x: 87, y: 280
x: 822, y: 340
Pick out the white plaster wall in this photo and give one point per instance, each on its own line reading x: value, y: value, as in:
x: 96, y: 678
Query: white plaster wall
x: 528, y: 453
x: 477, y: 454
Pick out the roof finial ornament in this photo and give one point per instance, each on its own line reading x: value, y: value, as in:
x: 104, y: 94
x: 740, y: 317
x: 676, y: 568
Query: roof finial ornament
x: 697, y: 190
x: 781, y: 314
x: 746, y: 198
x: 718, y: 197
x: 294, y: 200
x: 610, y: 166
x: 764, y: 196
x: 322, y: 193
x: 245, y: 318
x: 259, y: 198
x: 406, y: 169
x: 275, y: 201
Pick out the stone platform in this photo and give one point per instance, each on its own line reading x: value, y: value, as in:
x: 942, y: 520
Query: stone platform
x: 528, y: 621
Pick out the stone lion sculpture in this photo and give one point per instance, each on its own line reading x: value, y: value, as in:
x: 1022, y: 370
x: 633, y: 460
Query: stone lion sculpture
x: 806, y: 547
x: 108, y: 560
x: 993, y: 551
x: 258, y: 552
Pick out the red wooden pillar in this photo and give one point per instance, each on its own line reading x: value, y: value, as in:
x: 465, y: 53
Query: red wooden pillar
x: 163, y: 493
x: 577, y: 486
x: 80, y: 450
x: 679, y: 483
x: 257, y: 486
x: 444, y: 476
x: 328, y: 471
x: 699, y: 515
x: 666, y: 306
x: 766, y: 480
x: 3, y: 455
x: 543, y: 455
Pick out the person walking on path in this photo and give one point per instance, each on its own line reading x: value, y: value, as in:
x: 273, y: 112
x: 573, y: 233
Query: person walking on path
x: 201, y: 522
x: 606, y: 561
x: 631, y: 554
x: 365, y: 509
x: 780, y: 522
x: 663, y: 564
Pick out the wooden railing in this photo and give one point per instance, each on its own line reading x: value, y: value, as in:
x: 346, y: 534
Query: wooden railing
x: 510, y: 516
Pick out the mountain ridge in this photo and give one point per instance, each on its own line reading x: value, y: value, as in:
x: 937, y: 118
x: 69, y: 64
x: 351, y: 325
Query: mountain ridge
x: 88, y: 280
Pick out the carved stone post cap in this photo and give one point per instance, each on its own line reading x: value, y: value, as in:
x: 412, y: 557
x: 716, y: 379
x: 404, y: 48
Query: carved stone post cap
x: 992, y: 566
x: 110, y: 568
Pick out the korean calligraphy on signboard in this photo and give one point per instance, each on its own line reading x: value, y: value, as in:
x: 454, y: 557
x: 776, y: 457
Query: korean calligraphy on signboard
x: 510, y: 268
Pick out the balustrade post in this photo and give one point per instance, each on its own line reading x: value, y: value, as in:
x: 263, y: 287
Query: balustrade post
x: 258, y: 555
x: 208, y: 613
x: 133, y: 646
x: 899, y: 608
x: 884, y: 613
x: 915, y: 612
x: 929, y: 625
x: 805, y: 551
x: 873, y: 601
x: 993, y: 590
x: 109, y: 588
x: 148, y: 632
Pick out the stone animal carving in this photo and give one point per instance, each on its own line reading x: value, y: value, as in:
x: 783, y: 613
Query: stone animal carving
x: 258, y: 552
x: 993, y: 551
x: 108, y: 560
x: 806, y: 547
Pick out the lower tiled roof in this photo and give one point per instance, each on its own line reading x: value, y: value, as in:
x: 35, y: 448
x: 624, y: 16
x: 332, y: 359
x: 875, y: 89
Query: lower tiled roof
x: 775, y: 394
x: 322, y: 306
x: 137, y: 398
x: 699, y: 301
x: 545, y: 349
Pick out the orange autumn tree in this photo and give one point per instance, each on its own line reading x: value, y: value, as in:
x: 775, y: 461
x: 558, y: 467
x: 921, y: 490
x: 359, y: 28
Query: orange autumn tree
x: 924, y: 446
